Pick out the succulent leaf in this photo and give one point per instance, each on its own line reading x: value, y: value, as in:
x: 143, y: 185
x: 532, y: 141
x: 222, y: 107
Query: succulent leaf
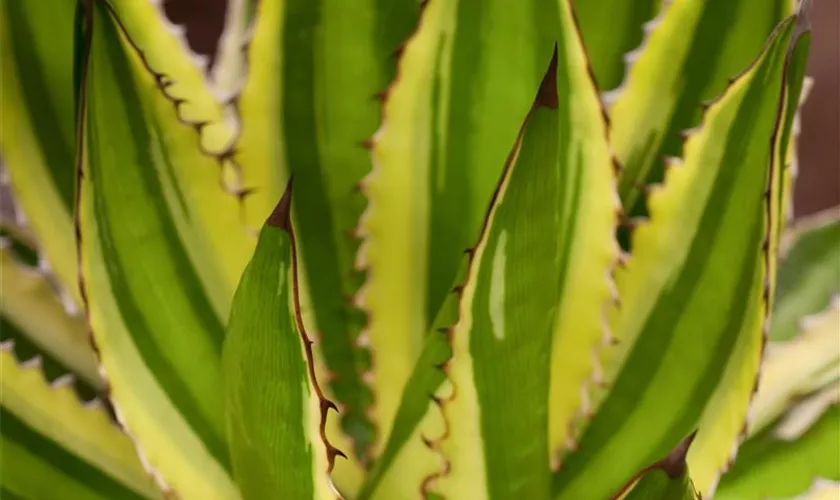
x: 54, y: 446
x: 276, y: 412
x: 151, y: 217
x: 313, y: 69
x: 687, y: 323
x: 531, y: 314
x: 466, y: 80
x: 667, y: 479
x: 687, y: 59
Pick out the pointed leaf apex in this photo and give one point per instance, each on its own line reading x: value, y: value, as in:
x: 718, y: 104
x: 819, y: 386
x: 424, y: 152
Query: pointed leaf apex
x: 547, y: 95
x: 282, y: 215
x: 675, y: 463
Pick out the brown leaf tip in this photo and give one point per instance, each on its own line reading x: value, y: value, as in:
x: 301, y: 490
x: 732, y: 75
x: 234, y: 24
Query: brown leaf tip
x: 282, y: 215
x: 547, y: 96
x: 675, y: 463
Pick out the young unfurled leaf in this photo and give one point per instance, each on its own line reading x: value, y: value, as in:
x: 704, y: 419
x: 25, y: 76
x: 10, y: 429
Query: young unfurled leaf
x: 54, y: 446
x: 688, y: 323
x: 276, y: 412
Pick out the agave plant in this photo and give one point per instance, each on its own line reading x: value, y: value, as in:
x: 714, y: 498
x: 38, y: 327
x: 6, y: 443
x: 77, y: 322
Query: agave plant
x: 530, y: 253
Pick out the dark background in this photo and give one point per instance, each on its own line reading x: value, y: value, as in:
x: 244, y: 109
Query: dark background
x: 818, y: 185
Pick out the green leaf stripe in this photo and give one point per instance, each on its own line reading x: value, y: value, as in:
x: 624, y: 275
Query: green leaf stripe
x: 687, y: 59
x: 51, y: 114
x: 30, y: 459
x: 137, y: 195
x: 138, y: 234
x: 673, y: 353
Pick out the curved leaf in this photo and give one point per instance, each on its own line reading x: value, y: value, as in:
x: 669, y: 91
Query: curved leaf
x: 687, y: 321
x: 36, y: 124
x: 53, y: 446
x: 276, y: 413
x: 154, y: 298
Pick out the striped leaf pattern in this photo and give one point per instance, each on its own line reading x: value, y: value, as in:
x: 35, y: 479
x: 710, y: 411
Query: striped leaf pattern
x: 37, y: 127
x: 54, y: 446
x: 506, y: 283
x: 687, y: 323
x: 151, y: 217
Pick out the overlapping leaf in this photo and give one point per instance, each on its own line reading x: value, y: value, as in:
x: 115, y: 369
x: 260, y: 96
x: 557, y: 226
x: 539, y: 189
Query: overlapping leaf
x: 53, y: 446
x: 795, y: 368
x: 524, y: 338
x: 466, y: 81
x: 689, y: 324
x: 276, y: 412
x: 667, y: 479
x: 313, y: 69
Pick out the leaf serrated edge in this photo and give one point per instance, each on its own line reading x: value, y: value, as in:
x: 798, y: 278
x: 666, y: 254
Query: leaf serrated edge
x: 281, y: 218
x: 20, y: 229
x: 546, y: 96
x: 87, y: 6
x: 619, y: 260
x: 609, y: 97
x: 43, y: 277
x: 363, y: 235
x: 230, y: 170
x: 96, y: 406
x: 769, y: 248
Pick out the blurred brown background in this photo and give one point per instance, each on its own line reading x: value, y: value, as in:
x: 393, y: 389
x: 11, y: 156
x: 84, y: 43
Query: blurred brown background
x: 818, y: 185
